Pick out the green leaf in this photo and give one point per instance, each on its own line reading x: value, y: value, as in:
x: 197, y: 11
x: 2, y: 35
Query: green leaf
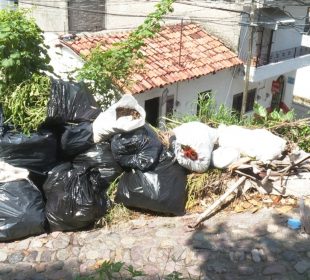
x: 260, y: 110
x: 7, y: 62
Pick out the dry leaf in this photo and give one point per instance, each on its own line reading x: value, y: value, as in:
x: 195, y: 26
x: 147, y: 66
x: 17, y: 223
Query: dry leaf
x: 246, y: 205
x: 255, y: 202
x: 239, y: 209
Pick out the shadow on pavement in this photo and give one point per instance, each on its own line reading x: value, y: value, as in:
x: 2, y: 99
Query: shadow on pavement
x: 252, y: 246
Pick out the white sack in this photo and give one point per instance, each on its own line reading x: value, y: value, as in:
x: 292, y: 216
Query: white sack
x: 222, y: 157
x: 257, y: 143
x: 9, y: 173
x: 106, y: 124
x: 200, y: 138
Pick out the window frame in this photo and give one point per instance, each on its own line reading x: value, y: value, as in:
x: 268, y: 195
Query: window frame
x: 249, y: 103
x: 206, y: 95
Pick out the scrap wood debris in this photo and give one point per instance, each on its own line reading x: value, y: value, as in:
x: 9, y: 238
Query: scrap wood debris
x: 260, y: 175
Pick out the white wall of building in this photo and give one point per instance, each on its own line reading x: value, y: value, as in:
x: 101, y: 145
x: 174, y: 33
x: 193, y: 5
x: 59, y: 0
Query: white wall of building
x: 286, y: 37
x: 186, y: 93
x: 63, y: 59
x: 265, y: 94
x: 302, y: 83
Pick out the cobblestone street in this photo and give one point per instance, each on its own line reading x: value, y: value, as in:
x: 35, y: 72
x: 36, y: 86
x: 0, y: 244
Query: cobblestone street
x: 234, y: 246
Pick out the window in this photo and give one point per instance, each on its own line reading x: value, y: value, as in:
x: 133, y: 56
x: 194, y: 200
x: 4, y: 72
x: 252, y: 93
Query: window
x: 169, y: 106
x: 203, y: 98
x: 307, y: 22
x: 237, y: 101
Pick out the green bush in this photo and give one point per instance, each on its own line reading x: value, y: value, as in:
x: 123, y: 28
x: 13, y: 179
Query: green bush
x: 24, y: 90
x: 22, y: 50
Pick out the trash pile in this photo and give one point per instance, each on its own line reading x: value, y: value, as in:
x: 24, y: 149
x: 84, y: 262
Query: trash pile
x: 58, y: 177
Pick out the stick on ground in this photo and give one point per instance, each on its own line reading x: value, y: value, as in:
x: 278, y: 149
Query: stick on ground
x: 218, y: 202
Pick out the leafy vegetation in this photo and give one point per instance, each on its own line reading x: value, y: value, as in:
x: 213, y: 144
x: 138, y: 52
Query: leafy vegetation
x: 209, y: 113
x: 109, y: 71
x: 22, y: 49
x: 285, y: 125
x: 26, y: 106
x: 24, y: 89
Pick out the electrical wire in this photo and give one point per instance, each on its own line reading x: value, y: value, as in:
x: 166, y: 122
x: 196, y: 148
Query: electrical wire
x: 103, y: 12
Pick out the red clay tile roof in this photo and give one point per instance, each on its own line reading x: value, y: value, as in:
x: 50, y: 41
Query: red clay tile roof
x: 201, y: 54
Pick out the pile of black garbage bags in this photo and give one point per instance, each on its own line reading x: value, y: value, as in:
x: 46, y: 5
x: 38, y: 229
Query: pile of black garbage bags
x: 69, y: 174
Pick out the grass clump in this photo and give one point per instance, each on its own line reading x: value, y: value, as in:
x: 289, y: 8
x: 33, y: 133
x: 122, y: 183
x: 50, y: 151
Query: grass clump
x: 118, y: 212
x: 205, y: 186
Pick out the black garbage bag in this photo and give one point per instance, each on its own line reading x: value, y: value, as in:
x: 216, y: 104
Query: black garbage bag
x: 71, y: 102
x: 37, y: 152
x: 21, y: 210
x: 139, y: 148
x: 99, y: 156
x: 76, y: 198
x: 76, y: 138
x: 161, y: 190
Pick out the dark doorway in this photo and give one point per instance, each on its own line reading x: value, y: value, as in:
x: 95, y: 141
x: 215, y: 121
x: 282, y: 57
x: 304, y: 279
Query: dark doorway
x: 151, y: 107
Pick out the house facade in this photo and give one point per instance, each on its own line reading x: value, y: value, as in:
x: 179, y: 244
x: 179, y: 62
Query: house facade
x: 280, y: 46
x: 182, y: 64
x: 280, y: 50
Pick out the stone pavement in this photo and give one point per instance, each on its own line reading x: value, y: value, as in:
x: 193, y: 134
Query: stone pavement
x: 234, y: 246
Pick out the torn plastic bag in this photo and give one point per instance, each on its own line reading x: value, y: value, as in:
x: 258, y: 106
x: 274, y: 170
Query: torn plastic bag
x: 109, y: 123
x: 76, y: 198
x: 139, y: 148
x: 21, y: 210
x: 99, y: 156
x: 76, y: 138
x: 71, y: 102
x: 161, y: 190
x: 37, y: 152
x: 194, y: 144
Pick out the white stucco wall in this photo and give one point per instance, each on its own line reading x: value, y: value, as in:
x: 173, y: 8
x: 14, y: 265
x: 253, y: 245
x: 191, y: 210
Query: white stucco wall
x: 186, y: 93
x: 279, y: 68
x: 302, y: 83
x: 266, y: 85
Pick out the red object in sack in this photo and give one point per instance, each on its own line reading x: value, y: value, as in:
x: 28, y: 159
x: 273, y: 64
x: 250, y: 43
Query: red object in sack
x: 189, y: 152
